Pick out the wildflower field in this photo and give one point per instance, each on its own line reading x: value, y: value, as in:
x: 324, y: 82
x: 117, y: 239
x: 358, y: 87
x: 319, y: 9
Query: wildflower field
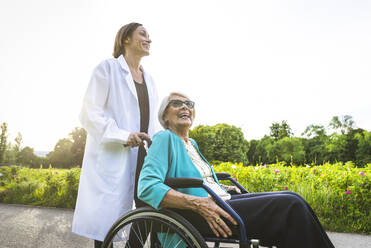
x: 339, y: 193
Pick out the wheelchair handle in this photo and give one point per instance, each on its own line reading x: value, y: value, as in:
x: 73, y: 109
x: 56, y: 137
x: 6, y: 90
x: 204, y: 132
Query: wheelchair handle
x: 148, y: 140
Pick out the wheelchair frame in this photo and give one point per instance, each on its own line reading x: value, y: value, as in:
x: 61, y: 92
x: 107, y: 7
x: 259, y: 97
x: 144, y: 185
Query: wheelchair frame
x: 184, y: 225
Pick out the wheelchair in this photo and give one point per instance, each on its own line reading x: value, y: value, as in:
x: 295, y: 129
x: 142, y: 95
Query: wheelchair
x: 169, y: 229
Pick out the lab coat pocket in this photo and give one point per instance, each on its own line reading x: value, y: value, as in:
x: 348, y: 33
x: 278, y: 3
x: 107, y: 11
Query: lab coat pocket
x: 111, y: 165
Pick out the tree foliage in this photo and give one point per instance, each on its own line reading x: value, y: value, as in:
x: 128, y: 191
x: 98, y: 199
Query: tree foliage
x: 290, y: 150
x: 363, y: 152
x: 221, y: 142
x: 17, y: 147
x: 61, y: 157
x: 345, y: 143
x: 78, y: 137
x: 3, y: 141
x: 343, y: 124
x: 69, y: 152
x: 314, y: 131
x: 280, y: 131
x: 28, y: 158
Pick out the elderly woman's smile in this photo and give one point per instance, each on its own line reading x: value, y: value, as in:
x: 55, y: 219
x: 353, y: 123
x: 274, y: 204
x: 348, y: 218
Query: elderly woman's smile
x: 179, y: 113
x: 185, y: 115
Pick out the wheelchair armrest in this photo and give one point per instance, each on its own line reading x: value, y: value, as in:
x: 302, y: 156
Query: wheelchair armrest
x: 227, y: 176
x: 184, y: 182
x: 222, y: 175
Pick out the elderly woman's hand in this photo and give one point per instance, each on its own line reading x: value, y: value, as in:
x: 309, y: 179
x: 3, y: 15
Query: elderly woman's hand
x: 204, y: 206
x: 212, y: 213
x: 135, y: 139
x: 232, y: 188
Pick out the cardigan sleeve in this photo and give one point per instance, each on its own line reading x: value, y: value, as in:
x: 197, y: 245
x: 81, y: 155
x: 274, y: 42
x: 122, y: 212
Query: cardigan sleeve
x: 151, y: 187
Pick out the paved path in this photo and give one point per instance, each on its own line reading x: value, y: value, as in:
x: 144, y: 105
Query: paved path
x: 36, y: 227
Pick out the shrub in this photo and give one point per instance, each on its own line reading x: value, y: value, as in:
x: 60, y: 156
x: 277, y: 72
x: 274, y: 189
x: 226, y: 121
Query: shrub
x: 42, y: 187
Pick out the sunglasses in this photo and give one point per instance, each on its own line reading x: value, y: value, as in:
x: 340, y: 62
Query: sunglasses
x: 179, y: 103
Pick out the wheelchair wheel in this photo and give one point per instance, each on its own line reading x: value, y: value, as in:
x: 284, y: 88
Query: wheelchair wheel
x: 150, y: 228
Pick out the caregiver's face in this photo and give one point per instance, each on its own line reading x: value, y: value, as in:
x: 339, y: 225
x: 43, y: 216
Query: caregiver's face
x: 179, y: 113
x: 139, y: 42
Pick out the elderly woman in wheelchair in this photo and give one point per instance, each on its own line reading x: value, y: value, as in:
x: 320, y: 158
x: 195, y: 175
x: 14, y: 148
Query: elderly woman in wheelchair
x: 181, y: 186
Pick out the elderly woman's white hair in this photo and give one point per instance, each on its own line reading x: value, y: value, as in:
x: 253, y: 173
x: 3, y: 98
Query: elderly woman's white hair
x: 165, y: 103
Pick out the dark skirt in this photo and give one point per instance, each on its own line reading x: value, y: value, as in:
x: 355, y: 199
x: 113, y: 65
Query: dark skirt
x: 283, y: 219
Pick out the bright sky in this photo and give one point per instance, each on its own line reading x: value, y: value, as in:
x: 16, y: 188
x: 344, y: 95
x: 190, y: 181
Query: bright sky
x: 246, y: 63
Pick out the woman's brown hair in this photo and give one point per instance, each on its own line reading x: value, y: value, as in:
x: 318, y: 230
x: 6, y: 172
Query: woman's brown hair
x: 124, y: 32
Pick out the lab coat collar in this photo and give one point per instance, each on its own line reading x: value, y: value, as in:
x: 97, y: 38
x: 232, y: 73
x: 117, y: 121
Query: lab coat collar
x: 124, y: 65
x: 129, y: 78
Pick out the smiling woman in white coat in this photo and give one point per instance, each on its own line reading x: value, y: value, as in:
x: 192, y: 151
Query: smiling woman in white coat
x: 119, y: 107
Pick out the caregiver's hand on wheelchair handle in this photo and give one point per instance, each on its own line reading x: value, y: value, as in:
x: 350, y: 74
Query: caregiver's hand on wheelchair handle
x: 212, y: 213
x: 136, y: 139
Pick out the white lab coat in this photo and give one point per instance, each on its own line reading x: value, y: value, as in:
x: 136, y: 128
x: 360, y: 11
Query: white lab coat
x: 110, y: 113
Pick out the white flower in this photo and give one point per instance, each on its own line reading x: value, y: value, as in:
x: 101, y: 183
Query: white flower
x: 234, y: 166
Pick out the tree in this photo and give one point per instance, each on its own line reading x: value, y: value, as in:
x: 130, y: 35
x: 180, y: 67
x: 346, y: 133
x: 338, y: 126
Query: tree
x: 315, y: 149
x: 345, y: 124
x: 3, y: 141
x: 69, y: 152
x: 336, y: 147
x: 78, y: 136
x: 221, y: 142
x: 314, y: 145
x: 275, y: 130
x: 314, y: 131
x: 285, y: 130
x: 17, y: 146
x: 252, y: 156
x: 61, y: 157
x: 290, y: 150
x: 279, y: 131
x: 363, y: 152
x: 261, y: 151
x: 10, y: 156
x: 352, y: 144
x: 27, y: 157
x: 342, y: 145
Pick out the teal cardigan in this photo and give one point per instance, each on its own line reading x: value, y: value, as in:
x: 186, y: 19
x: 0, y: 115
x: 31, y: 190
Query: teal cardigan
x: 167, y: 158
